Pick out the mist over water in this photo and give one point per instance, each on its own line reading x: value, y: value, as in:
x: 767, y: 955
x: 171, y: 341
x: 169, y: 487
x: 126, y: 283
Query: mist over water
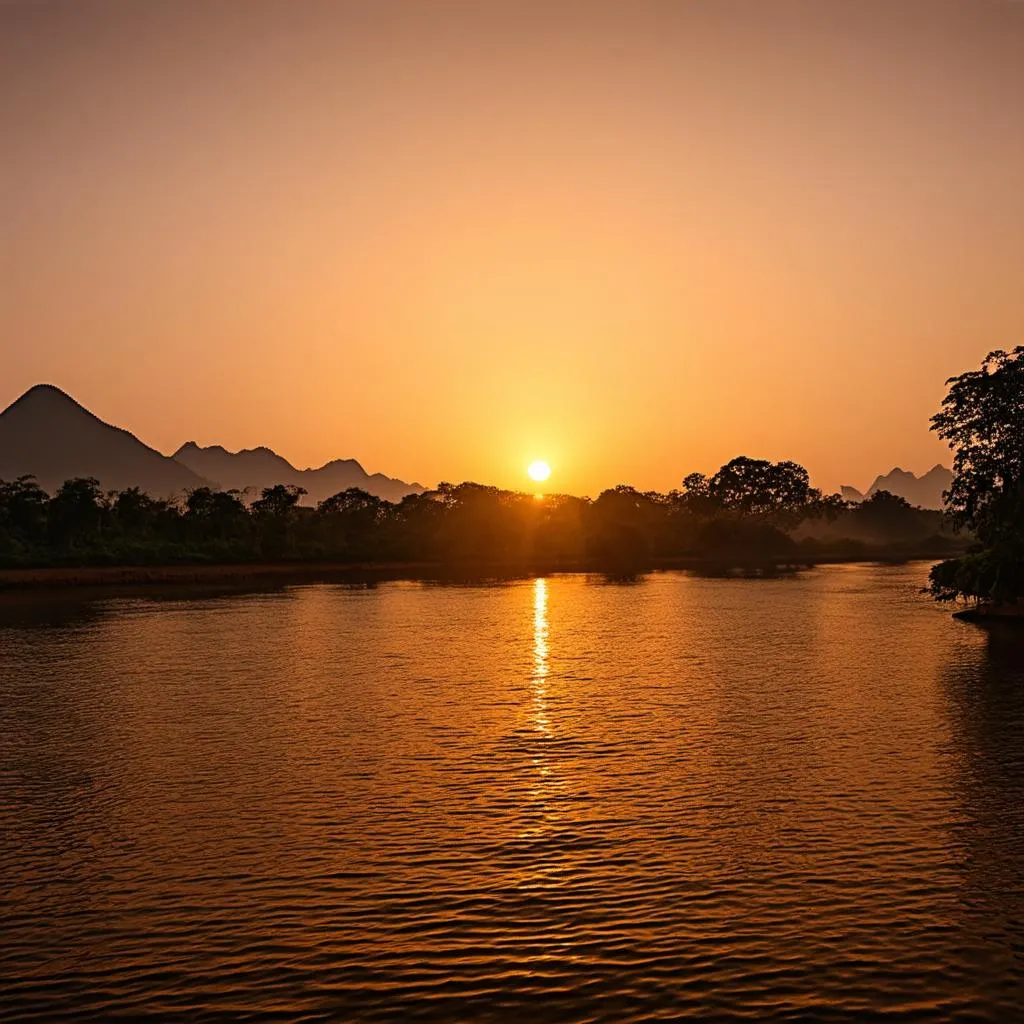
x: 564, y: 798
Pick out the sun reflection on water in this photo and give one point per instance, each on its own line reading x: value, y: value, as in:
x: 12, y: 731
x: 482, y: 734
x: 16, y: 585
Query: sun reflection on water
x: 540, y: 656
x: 692, y: 795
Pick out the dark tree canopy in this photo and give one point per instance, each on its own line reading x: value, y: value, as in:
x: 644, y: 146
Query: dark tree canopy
x: 352, y: 502
x: 74, y: 513
x: 750, y: 518
x: 206, y: 503
x: 760, y: 487
x: 982, y: 418
x: 278, y: 501
x: 23, y: 510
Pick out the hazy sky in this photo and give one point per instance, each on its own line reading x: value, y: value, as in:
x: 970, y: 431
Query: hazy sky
x: 634, y: 238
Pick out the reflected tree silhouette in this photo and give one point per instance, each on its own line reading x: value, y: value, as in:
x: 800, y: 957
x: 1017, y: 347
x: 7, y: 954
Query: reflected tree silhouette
x: 985, y: 694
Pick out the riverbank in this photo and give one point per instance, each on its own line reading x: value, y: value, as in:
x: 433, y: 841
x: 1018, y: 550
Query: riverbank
x: 59, y: 577
x: 991, y: 613
x: 144, y: 575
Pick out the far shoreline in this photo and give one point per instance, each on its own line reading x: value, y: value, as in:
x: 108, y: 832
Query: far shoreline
x: 13, y: 580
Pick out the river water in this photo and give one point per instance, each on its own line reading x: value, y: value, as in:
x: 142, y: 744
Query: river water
x: 555, y: 799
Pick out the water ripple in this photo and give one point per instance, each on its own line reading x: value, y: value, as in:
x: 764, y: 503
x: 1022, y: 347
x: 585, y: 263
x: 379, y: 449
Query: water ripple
x: 791, y: 800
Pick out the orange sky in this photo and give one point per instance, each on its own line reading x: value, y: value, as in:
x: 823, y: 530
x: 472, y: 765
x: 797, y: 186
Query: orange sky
x: 446, y: 238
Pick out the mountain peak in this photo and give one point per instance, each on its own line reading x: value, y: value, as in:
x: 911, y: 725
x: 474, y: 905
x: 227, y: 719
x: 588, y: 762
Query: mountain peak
x: 39, y: 394
x: 47, y: 389
x: 255, y: 468
x: 925, y: 491
x: 48, y: 435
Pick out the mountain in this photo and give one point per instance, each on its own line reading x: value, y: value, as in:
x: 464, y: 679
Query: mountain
x: 255, y: 468
x: 925, y: 491
x: 46, y: 433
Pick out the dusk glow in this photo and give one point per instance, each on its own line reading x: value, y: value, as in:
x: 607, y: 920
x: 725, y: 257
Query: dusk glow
x: 512, y: 510
x: 358, y: 229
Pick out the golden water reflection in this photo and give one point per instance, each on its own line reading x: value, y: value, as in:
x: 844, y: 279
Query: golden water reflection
x: 540, y: 656
x: 698, y: 796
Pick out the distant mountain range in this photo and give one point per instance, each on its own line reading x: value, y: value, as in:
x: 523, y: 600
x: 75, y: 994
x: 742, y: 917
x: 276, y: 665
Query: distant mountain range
x: 925, y: 491
x: 47, y: 434
x: 255, y: 468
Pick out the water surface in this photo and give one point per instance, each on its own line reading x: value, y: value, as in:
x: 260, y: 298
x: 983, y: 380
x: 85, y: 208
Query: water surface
x: 569, y: 798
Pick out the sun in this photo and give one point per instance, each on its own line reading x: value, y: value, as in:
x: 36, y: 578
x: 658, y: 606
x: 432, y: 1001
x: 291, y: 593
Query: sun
x: 539, y: 470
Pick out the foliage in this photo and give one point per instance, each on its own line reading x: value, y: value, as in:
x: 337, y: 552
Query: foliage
x: 982, y: 418
x: 23, y: 513
x: 888, y: 516
x: 744, y: 513
x: 277, y: 502
x: 761, y: 488
x: 778, y: 493
x: 74, y: 514
x: 991, y: 574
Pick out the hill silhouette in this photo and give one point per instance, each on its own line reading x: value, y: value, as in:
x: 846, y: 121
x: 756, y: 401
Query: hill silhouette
x: 923, y: 491
x: 252, y: 469
x: 47, y: 434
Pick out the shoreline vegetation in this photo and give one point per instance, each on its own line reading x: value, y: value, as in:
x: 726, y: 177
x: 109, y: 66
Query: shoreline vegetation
x: 982, y: 420
x: 188, y: 574
x: 752, y: 517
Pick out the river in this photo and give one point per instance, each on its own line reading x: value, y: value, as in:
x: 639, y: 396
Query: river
x: 563, y: 798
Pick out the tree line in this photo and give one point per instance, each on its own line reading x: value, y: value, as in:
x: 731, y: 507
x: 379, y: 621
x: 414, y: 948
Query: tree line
x: 750, y: 512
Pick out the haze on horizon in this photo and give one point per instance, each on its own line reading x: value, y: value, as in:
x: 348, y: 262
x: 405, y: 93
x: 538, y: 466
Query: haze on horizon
x: 449, y: 239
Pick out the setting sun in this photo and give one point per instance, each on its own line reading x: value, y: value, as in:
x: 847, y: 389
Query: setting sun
x: 539, y: 470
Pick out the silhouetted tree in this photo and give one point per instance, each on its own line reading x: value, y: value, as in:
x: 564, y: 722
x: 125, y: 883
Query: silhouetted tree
x: 206, y: 503
x: 696, y: 497
x: 982, y: 418
x: 23, y: 512
x: 826, y: 506
x: 480, y: 522
x: 889, y: 517
x: 275, y: 513
x: 135, y: 512
x: 215, y: 516
x: 413, y: 527
x: 352, y: 502
x: 695, y: 485
x: 739, y: 515
x: 762, y: 488
x: 278, y: 501
x: 217, y: 511
x: 353, y: 521
x: 623, y: 524
x: 560, y: 528
x: 75, y: 512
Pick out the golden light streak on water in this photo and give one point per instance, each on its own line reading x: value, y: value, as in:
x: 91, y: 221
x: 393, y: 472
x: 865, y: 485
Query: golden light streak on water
x: 568, y: 798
